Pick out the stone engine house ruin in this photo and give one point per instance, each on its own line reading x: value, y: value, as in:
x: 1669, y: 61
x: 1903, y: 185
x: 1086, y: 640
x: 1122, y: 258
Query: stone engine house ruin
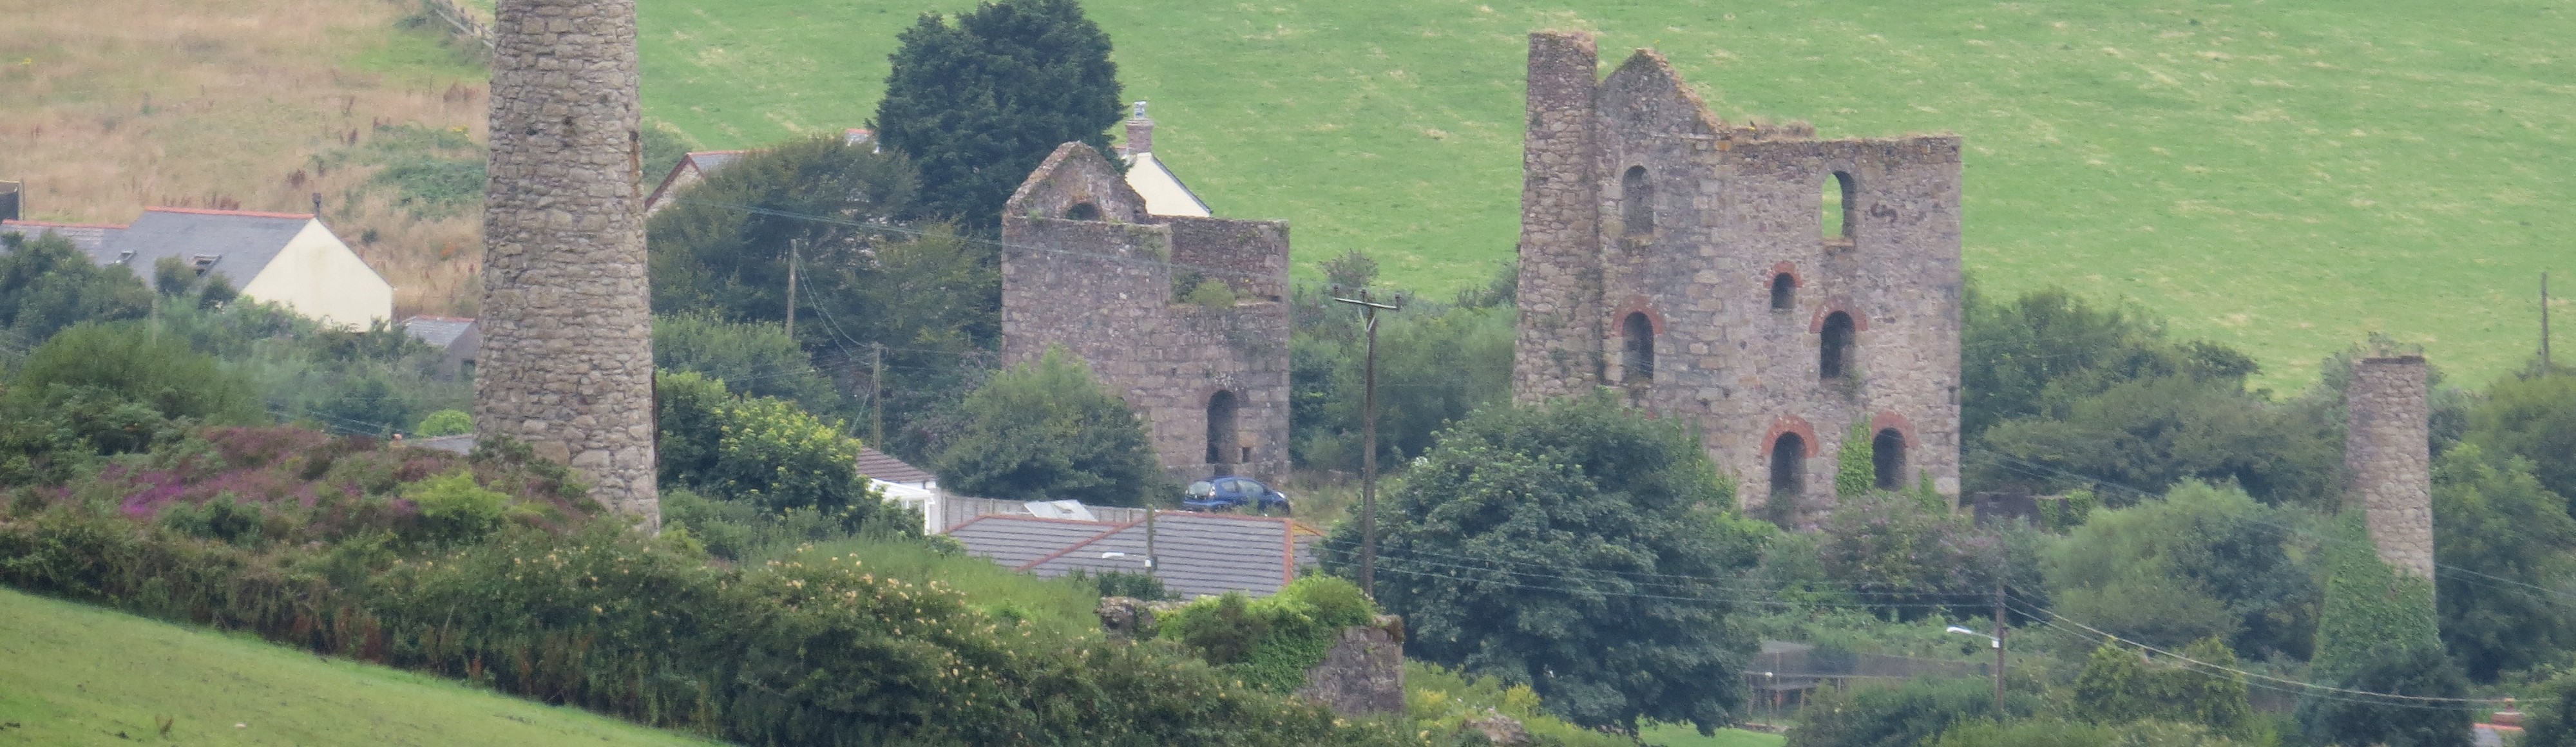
x: 1085, y: 267
x: 567, y: 337
x: 2388, y: 458
x: 1774, y: 288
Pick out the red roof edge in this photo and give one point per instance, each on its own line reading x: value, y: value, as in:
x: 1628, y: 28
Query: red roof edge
x: 242, y: 213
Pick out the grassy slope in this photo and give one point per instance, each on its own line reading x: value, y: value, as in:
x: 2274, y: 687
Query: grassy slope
x: 81, y: 675
x: 2285, y: 177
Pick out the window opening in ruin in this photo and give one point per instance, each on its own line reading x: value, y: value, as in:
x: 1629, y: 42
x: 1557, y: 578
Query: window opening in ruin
x: 1637, y: 201
x: 1788, y: 465
x: 1887, y: 457
x: 1838, y: 207
x: 1784, y: 292
x: 1639, y: 333
x: 1832, y: 356
x: 1221, y: 441
x: 1082, y: 211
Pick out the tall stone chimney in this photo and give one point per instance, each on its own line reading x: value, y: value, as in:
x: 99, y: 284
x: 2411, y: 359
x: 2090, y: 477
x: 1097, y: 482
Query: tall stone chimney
x: 1140, y: 132
x: 567, y: 362
x: 1558, y: 351
x: 2388, y: 457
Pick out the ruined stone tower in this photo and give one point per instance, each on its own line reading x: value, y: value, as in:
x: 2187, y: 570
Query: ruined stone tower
x: 567, y: 334
x: 1692, y: 266
x: 2388, y: 459
x: 1085, y: 267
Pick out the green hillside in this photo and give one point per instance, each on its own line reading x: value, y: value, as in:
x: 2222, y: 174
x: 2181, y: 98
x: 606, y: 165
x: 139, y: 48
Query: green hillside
x: 2286, y: 177
x: 82, y: 675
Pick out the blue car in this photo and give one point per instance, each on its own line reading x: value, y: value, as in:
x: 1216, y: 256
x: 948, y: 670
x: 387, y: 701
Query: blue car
x: 1221, y: 493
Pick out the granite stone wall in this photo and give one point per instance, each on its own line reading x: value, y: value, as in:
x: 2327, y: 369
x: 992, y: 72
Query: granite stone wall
x: 1101, y: 286
x: 2388, y: 459
x: 567, y: 360
x: 1362, y: 675
x: 1687, y: 223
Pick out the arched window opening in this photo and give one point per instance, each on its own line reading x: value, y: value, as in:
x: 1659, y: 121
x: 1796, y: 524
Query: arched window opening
x: 1639, y: 333
x: 1784, y: 292
x: 1835, y: 351
x: 1082, y: 211
x: 1637, y: 201
x: 1887, y: 457
x: 1838, y: 207
x: 1222, y: 444
x: 1788, y: 466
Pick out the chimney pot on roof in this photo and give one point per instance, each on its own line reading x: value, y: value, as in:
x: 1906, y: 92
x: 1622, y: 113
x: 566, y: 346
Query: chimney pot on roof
x: 1140, y: 132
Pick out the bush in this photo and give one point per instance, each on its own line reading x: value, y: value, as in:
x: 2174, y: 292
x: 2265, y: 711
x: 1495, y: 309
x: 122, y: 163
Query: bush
x: 1902, y: 716
x: 1046, y: 430
x: 111, y: 386
x: 2055, y: 733
x: 760, y: 450
x: 454, y: 508
x: 445, y: 423
x: 1272, y: 641
x: 1440, y: 701
x: 2120, y: 686
x: 2202, y: 561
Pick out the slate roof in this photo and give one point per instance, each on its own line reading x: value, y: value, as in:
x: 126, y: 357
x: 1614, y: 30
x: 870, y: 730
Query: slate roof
x: 241, y: 242
x: 1200, y: 553
x: 438, y: 331
x: 88, y: 237
x: 882, y: 466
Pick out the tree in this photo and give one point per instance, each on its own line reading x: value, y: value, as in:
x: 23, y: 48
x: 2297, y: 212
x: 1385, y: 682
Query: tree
x: 1906, y: 715
x: 1908, y: 559
x: 2120, y: 686
x: 758, y: 450
x: 979, y: 103
x: 1046, y: 430
x: 2200, y: 562
x: 47, y: 284
x: 2492, y: 518
x: 755, y: 359
x: 2550, y: 712
x: 2533, y: 416
x: 100, y: 377
x: 1579, y: 548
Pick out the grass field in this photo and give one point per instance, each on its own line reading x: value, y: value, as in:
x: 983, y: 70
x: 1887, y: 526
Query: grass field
x: 2284, y: 177
x: 1671, y: 735
x: 78, y: 675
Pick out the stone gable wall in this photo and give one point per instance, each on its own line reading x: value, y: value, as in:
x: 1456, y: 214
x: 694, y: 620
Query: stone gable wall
x: 2388, y: 459
x: 1731, y: 207
x: 567, y: 359
x: 1103, y: 290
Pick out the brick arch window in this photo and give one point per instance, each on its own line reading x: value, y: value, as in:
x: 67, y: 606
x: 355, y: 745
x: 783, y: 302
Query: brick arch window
x: 1637, y: 201
x: 1834, y: 349
x: 1838, y: 204
x: 1221, y: 431
x: 1082, y: 211
x: 1788, y: 465
x: 1637, y: 338
x: 1887, y: 458
x: 1784, y: 292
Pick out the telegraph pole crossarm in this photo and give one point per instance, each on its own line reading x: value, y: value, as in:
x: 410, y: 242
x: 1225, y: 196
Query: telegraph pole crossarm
x: 1369, y: 307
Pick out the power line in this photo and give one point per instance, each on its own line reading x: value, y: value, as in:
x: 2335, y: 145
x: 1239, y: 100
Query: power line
x: 2256, y: 679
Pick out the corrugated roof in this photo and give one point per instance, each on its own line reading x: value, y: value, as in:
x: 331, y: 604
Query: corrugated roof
x: 88, y: 237
x: 1200, y: 553
x: 438, y: 331
x: 883, y: 466
x: 240, y: 243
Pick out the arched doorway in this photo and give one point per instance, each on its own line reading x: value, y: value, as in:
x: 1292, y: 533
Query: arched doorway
x: 1834, y: 353
x: 1788, y: 467
x: 1221, y: 432
x: 1887, y: 459
x: 1637, y: 334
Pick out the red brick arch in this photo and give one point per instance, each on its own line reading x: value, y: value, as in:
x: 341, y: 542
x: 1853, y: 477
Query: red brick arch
x: 1888, y: 419
x: 1638, y: 305
x: 1784, y: 268
x: 1860, y: 321
x: 1790, y: 424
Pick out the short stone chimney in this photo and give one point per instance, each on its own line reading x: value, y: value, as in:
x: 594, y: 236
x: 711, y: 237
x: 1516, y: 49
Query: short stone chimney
x: 2388, y: 458
x: 1140, y: 133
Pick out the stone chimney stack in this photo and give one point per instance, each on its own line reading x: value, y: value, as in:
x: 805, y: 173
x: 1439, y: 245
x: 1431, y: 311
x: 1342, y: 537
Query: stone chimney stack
x: 567, y: 364
x: 2388, y: 458
x: 1140, y: 132
x: 1558, y: 351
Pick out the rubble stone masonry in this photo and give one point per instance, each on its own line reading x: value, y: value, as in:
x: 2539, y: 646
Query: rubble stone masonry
x: 1084, y: 267
x: 1653, y: 236
x: 567, y: 333
x: 2388, y: 459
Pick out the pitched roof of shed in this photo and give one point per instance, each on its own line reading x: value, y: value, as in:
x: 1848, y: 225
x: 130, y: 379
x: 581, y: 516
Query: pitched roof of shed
x: 883, y: 466
x: 1200, y: 553
x: 438, y: 331
x: 243, y: 242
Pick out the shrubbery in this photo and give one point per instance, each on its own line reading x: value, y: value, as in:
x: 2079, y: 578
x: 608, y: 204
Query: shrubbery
x: 1046, y: 430
x: 1270, y: 642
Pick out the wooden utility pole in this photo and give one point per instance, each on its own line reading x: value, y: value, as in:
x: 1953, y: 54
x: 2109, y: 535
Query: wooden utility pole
x: 1368, y: 442
x: 876, y: 395
x: 1999, y: 649
x: 793, y: 253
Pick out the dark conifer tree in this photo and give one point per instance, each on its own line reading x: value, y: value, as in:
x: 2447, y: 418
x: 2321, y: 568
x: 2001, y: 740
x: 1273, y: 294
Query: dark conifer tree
x: 977, y: 103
